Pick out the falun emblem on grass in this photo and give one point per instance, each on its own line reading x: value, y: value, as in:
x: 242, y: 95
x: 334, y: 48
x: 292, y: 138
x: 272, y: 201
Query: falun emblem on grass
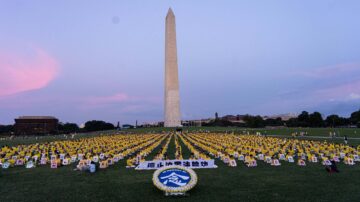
x: 174, y: 180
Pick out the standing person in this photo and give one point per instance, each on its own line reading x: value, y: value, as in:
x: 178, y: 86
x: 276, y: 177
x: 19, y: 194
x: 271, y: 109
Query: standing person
x: 345, y: 139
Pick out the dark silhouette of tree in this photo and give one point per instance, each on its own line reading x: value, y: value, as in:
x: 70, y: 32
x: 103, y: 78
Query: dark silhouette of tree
x: 6, y: 128
x: 274, y: 122
x: 316, y: 120
x: 95, y: 125
x: 292, y: 122
x: 355, y: 118
x: 335, y: 121
x: 254, y: 121
x: 303, y: 119
x: 68, y: 128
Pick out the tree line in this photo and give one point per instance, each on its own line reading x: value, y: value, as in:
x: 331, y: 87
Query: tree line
x: 90, y: 126
x: 304, y: 119
x: 66, y: 128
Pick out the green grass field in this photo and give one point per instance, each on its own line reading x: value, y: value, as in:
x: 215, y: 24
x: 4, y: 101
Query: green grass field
x: 350, y: 132
x: 288, y: 182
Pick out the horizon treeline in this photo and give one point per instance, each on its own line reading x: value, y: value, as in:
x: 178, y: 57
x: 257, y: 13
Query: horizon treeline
x: 304, y: 119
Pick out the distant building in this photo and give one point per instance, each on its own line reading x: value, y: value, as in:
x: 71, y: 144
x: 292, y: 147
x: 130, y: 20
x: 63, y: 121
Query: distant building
x: 234, y: 118
x: 197, y: 122
x: 152, y: 124
x: 36, y: 125
x: 127, y: 126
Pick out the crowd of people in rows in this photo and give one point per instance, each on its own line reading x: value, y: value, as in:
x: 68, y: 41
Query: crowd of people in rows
x: 104, y: 151
x: 252, y: 148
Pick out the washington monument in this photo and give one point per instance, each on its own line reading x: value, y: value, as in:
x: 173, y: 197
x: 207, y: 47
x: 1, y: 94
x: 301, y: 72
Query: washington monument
x: 172, y: 98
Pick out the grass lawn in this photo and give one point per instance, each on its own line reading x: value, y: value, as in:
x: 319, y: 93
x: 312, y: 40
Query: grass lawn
x: 17, y: 140
x: 350, y: 132
x: 287, y: 182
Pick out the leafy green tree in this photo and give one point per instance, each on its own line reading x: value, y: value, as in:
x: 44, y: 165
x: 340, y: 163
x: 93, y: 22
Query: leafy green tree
x: 355, y: 118
x: 68, y: 128
x: 316, y: 120
x: 254, y: 121
x: 335, y: 121
x: 96, y: 125
x: 6, y: 128
x: 332, y: 120
x: 292, y: 122
x: 303, y: 119
x: 274, y: 122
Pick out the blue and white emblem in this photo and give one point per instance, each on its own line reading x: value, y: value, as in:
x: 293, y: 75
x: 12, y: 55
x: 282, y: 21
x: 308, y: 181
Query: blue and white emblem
x: 174, y: 179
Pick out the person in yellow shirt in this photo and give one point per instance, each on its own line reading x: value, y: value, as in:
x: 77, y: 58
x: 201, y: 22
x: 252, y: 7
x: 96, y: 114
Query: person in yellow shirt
x: 130, y: 163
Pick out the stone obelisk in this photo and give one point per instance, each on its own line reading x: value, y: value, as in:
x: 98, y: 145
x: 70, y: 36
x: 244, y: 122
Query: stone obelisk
x: 172, y: 98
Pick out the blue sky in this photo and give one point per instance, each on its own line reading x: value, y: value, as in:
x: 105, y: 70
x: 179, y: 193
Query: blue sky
x: 84, y: 60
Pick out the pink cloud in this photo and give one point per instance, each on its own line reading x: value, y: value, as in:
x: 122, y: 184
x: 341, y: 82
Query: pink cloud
x: 119, y: 97
x: 125, y: 102
x: 135, y: 108
x: 339, y: 82
x: 330, y: 71
x: 347, y: 91
x: 19, y: 73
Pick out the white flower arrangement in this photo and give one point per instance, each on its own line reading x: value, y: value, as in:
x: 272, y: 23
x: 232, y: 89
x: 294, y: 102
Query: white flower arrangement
x: 181, y: 189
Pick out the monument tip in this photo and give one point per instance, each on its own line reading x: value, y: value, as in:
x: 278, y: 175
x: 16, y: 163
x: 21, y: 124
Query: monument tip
x: 170, y: 11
